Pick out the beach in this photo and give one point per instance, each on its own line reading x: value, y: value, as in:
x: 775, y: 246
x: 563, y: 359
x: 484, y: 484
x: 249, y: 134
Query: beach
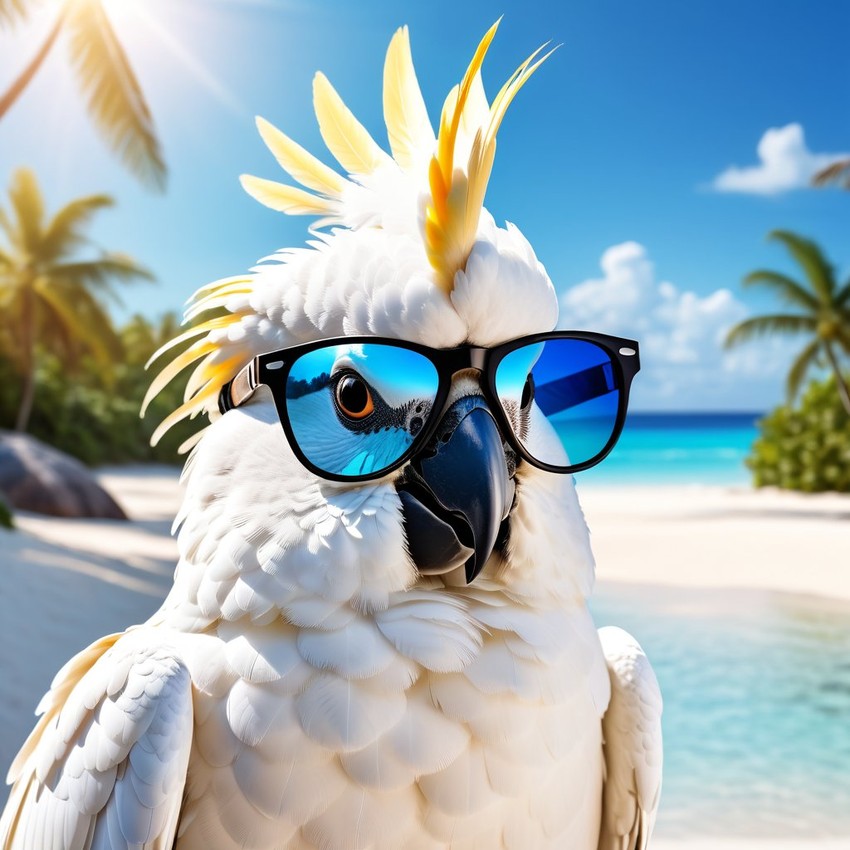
x: 721, y: 537
x: 63, y: 583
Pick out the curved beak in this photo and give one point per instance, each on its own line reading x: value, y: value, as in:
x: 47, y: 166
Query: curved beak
x: 458, y: 491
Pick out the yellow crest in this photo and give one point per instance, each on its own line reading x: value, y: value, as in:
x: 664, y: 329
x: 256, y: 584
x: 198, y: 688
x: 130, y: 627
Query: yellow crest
x: 455, y: 166
x: 457, y: 179
x: 457, y: 194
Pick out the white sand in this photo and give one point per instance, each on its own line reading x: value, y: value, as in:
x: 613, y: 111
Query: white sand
x: 63, y: 583
x: 721, y: 537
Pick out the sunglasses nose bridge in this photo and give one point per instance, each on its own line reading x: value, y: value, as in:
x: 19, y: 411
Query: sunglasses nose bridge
x: 465, y: 381
x: 466, y: 374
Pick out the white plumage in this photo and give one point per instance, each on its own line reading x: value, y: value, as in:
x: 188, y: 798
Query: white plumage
x: 302, y: 687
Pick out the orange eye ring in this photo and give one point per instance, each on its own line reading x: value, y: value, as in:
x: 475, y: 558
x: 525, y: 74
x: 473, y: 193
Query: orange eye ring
x: 353, y: 397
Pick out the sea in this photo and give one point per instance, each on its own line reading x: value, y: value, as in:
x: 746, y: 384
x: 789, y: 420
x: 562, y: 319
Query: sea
x: 679, y: 448
x: 756, y: 683
x: 756, y: 721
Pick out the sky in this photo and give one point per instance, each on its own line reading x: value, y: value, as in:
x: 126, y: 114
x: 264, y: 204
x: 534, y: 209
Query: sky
x: 646, y: 161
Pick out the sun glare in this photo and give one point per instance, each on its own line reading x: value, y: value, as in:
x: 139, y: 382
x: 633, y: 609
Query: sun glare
x: 147, y: 35
x: 123, y: 11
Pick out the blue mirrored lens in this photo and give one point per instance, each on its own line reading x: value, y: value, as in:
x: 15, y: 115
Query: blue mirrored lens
x: 561, y: 397
x: 356, y: 409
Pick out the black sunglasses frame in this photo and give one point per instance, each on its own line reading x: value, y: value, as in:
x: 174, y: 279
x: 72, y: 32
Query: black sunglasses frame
x: 623, y: 353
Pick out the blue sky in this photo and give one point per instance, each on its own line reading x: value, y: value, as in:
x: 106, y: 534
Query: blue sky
x: 612, y: 153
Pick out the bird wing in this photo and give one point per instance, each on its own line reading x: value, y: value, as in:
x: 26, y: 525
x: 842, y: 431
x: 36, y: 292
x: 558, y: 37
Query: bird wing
x: 631, y: 729
x: 106, y: 765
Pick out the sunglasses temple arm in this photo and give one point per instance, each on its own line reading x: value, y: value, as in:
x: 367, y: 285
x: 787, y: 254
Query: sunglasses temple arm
x: 240, y: 389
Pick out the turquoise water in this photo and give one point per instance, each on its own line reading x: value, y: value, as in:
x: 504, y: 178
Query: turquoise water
x: 679, y: 448
x: 757, y: 708
x: 756, y: 685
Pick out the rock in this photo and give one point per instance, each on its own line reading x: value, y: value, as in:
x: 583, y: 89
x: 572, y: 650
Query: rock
x: 36, y: 477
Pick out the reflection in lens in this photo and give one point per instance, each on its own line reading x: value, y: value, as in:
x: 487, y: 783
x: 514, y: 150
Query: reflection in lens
x: 576, y: 399
x: 402, y: 385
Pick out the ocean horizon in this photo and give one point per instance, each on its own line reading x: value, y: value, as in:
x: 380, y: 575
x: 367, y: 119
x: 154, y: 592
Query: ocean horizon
x: 680, y: 448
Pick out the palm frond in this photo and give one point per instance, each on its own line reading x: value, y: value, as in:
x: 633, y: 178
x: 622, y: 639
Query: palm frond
x: 811, y: 259
x: 842, y: 297
x: 786, y: 287
x: 99, y: 274
x: 28, y: 208
x: 82, y: 317
x: 6, y: 224
x: 836, y: 172
x: 758, y: 326
x: 13, y: 11
x: 115, y: 99
x: 64, y: 231
x: 800, y: 367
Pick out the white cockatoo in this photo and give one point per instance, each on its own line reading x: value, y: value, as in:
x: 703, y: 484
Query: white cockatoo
x: 361, y: 664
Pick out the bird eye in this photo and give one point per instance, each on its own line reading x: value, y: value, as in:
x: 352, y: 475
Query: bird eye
x: 353, y: 397
x: 527, y: 393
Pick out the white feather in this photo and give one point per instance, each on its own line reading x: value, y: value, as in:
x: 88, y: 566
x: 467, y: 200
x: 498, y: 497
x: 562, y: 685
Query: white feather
x: 633, y: 755
x: 355, y: 651
x: 345, y: 715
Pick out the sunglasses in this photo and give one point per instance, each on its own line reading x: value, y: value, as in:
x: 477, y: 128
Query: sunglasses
x: 356, y: 408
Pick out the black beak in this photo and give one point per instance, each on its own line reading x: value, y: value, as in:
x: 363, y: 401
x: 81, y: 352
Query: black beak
x: 458, y: 491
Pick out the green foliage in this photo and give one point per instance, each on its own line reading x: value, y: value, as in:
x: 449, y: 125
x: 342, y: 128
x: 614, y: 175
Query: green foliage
x: 5, y: 516
x: 822, y: 312
x: 52, y: 300
x: 805, y: 447
x: 95, y: 417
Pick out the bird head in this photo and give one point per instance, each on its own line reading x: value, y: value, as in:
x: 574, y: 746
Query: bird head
x: 403, y: 250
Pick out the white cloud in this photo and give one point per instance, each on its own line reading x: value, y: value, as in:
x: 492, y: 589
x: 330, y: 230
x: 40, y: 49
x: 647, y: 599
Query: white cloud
x: 785, y: 163
x: 684, y: 365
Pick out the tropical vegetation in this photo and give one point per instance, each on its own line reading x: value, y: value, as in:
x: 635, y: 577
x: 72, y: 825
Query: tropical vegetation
x: 820, y: 312
x: 53, y: 298
x: 113, y: 95
x: 805, y: 447
x: 93, y: 416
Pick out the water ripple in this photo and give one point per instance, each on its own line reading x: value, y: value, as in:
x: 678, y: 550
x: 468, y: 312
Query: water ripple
x: 757, y: 707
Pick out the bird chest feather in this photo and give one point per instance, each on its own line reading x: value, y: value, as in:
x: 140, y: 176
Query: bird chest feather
x: 442, y: 721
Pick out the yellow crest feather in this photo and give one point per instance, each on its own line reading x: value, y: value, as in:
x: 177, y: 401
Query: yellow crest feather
x: 299, y: 163
x: 457, y: 194
x: 347, y: 139
x: 405, y: 114
x: 216, y: 358
x: 287, y: 199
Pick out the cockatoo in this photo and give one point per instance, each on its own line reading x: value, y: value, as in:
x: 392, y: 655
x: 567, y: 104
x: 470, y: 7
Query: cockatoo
x: 386, y: 646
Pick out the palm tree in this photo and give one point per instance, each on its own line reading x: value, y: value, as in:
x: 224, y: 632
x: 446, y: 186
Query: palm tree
x: 824, y: 312
x: 114, y: 98
x: 836, y: 173
x: 50, y: 299
x: 141, y: 337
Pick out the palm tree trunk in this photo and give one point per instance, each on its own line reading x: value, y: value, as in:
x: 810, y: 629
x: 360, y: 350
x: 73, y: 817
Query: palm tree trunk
x: 25, y: 407
x: 28, y: 362
x: 843, y: 391
x: 14, y: 91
